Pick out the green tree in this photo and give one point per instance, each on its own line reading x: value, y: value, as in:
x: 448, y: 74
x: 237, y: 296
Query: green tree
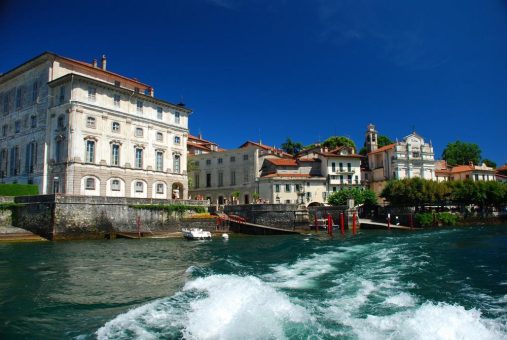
x: 360, y: 196
x: 292, y: 147
x: 489, y: 163
x: 460, y: 153
x: 336, y: 141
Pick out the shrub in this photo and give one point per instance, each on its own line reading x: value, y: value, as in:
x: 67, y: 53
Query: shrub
x: 447, y: 218
x: 18, y: 189
x: 424, y: 219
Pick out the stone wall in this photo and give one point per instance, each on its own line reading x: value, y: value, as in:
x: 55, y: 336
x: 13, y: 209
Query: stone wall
x: 83, y: 217
x: 273, y: 215
x: 334, y: 211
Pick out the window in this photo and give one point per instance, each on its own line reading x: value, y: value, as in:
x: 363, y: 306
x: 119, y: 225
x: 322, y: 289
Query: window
x: 287, y: 187
x: 245, y: 157
x: 17, y: 126
x: 177, y: 117
x: 334, y: 189
x: 176, y: 140
x: 176, y: 163
x: 341, y: 167
x: 92, y: 93
x: 115, y: 185
x: 5, y: 128
x: 139, y: 186
x: 35, y: 92
x: 476, y: 177
x: 333, y: 167
x: 220, y: 179
x: 30, y: 157
x: 208, y: 162
x: 196, y: 180
x: 220, y: 160
x: 341, y: 179
x: 246, y: 176
x: 136, y: 89
x: 160, y: 188
x: 58, y: 150
x: 90, y: 184
x: 117, y: 83
x: 6, y: 104
x: 115, y: 154
x: 33, y: 122
x: 233, y: 177
x: 208, y: 180
x: 233, y: 159
x: 90, y: 151
x: 115, y: 127
x: 139, y: 158
x: 298, y: 187
x: 61, y: 98
x: 90, y: 122
x: 349, y: 179
x: 357, y: 179
x: 139, y: 106
x: 116, y: 100
x: 277, y: 187
x: 139, y: 132
x: 349, y: 167
x: 18, y: 98
x: 416, y: 154
x: 60, y: 123
x: 14, y: 165
x: 160, y: 137
x: 160, y: 114
x: 159, y: 161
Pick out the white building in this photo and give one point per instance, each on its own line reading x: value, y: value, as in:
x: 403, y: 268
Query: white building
x: 80, y: 129
x: 464, y: 172
x: 410, y: 158
x: 218, y: 175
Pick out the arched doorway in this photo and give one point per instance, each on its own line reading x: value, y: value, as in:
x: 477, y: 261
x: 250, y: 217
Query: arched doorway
x: 177, y: 191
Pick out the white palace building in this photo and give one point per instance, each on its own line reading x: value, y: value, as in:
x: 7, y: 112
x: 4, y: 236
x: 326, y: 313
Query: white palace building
x: 76, y: 128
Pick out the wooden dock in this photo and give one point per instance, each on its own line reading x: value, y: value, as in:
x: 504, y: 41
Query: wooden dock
x: 369, y: 224
x: 258, y: 229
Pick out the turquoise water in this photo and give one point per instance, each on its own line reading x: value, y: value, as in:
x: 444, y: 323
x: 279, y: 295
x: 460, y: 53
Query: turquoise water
x: 437, y: 284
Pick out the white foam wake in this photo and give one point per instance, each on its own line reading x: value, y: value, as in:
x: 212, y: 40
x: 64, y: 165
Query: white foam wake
x: 215, y: 307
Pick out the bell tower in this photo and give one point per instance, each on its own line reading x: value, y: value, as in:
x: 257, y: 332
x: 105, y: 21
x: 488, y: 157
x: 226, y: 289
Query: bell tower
x: 370, y: 142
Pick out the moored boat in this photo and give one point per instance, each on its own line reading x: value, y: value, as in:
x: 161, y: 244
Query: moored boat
x: 196, y: 234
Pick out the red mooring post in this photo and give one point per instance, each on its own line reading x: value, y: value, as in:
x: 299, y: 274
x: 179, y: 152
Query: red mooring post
x: 342, y: 224
x: 329, y: 225
x: 354, y: 223
x: 138, y: 223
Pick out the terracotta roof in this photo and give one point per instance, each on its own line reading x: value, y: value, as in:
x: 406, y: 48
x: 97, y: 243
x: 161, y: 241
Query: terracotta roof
x: 282, y: 161
x: 382, y: 149
x: 265, y: 147
x: 200, y: 139
x: 443, y: 172
x: 462, y: 168
x: 329, y: 154
x: 89, y: 65
x: 308, y: 159
x: 290, y: 176
x: 502, y: 168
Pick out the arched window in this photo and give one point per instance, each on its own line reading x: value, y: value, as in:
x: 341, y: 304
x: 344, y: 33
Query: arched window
x: 139, y: 186
x: 115, y: 185
x: 90, y: 183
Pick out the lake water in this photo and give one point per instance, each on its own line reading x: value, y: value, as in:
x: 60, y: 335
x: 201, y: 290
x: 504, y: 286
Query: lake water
x: 435, y: 284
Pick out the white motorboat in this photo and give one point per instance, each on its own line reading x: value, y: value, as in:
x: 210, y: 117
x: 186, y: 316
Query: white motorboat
x: 196, y: 234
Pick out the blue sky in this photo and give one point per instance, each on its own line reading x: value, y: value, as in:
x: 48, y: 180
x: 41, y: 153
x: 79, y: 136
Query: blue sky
x: 272, y: 69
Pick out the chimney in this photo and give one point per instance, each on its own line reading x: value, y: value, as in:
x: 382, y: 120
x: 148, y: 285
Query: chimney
x: 152, y: 92
x: 260, y: 141
x: 95, y: 62
x: 104, y: 62
x: 200, y: 135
